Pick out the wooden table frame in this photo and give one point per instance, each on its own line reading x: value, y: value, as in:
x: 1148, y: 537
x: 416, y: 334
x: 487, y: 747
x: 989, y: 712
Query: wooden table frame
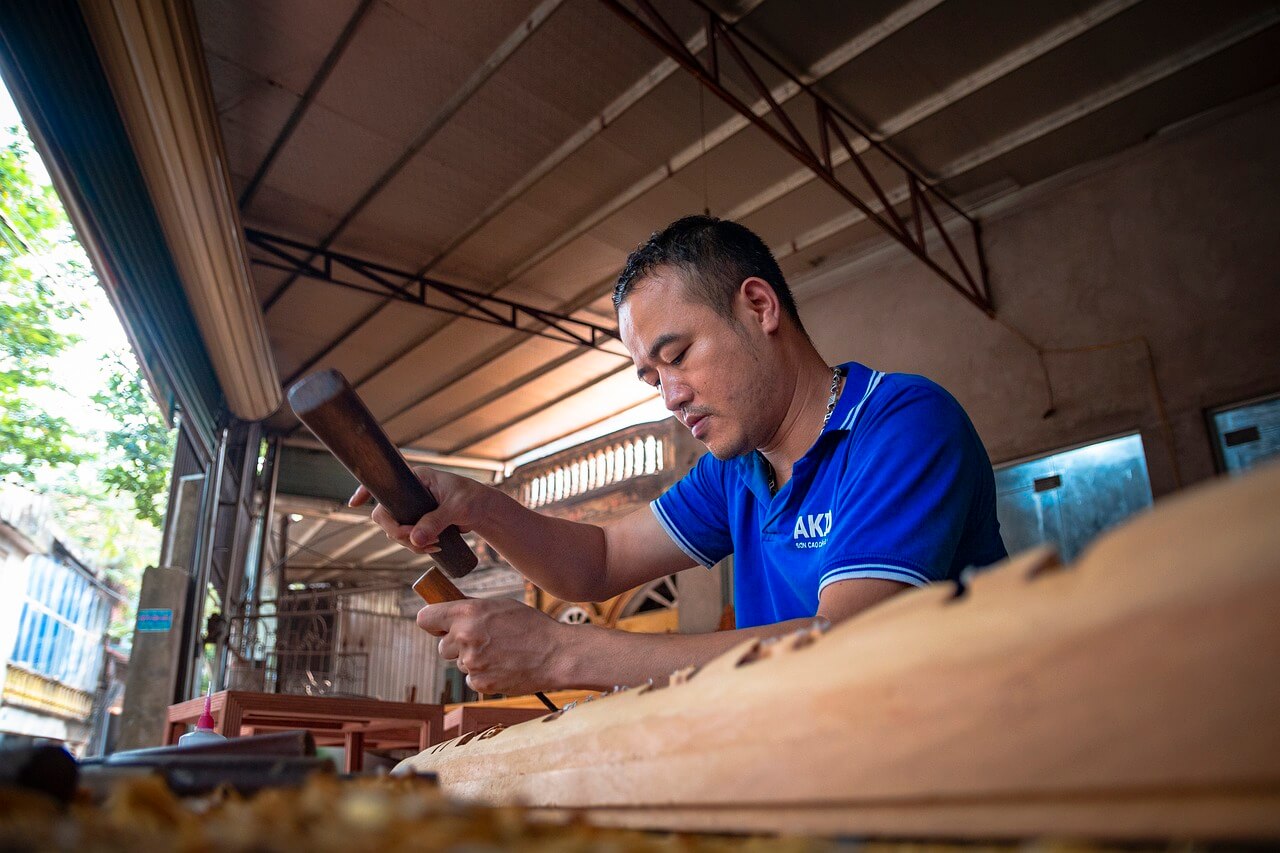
x: 477, y: 718
x: 355, y: 724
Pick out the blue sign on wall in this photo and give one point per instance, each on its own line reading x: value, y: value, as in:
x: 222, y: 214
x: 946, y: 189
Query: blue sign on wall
x: 157, y: 620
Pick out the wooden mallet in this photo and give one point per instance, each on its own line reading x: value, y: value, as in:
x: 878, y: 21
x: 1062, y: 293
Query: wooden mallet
x: 330, y: 407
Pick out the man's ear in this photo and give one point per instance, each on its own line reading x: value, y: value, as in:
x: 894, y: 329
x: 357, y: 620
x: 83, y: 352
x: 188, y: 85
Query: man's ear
x: 757, y: 300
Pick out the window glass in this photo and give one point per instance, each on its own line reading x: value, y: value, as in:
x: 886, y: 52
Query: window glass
x: 1246, y: 434
x: 1068, y: 497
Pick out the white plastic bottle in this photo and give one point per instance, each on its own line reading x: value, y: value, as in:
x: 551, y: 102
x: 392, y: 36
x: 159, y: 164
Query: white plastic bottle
x: 204, y: 732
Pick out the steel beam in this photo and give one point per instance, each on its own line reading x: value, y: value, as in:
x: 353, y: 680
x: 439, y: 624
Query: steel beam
x: 322, y: 264
x: 304, y: 103
x: 559, y: 398
x: 442, y: 116
x: 989, y: 73
x: 601, y: 419
x: 1141, y: 79
x: 570, y: 146
x: 1003, y: 65
x: 729, y: 128
x: 686, y: 156
x: 1076, y: 110
x: 486, y: 398
x: 379, y: 554
x: 834, y: 131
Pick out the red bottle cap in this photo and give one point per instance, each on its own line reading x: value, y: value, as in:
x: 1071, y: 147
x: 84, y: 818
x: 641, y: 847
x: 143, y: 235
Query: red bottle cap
x: 206, y: 719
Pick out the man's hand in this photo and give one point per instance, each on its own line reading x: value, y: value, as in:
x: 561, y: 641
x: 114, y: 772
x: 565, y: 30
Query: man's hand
x: 502, y: 645
x: 462, y: 503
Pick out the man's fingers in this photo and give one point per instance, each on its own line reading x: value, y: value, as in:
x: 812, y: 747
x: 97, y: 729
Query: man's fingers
x: 436, y: 619
x: 359, y: 497
x: 449, y: 648
x: 426, y: 532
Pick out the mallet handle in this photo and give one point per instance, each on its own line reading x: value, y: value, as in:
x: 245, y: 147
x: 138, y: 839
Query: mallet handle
x: 330, y: 407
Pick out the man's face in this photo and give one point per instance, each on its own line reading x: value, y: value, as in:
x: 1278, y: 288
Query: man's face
x: 707, y: 367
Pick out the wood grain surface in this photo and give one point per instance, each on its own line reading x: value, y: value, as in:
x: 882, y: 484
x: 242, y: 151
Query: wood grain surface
x: 1134, y: 694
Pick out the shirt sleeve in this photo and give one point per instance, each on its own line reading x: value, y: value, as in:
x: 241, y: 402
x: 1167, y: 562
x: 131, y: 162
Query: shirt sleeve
x: 694, y: 512
x: 905, y: 499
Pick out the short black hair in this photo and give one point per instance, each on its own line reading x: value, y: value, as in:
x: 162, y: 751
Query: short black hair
x: 714, y: 255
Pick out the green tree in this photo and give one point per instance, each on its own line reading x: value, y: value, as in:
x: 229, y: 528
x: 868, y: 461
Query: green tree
x: 140, y: 448
x: 31, y: 310
x: 108, y: 482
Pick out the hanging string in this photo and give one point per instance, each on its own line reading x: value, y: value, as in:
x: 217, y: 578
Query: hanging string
x: 1161, y: 409
x: 702, y: 132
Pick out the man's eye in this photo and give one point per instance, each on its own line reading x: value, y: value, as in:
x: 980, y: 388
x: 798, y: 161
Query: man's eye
x: 680, y: 357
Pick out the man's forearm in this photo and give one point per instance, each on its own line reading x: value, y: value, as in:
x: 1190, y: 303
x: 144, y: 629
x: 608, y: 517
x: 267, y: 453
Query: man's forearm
x: 565, y: 558
x: 596, y: 658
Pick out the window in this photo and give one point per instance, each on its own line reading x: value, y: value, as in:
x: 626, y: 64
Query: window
x: 1068, y: 497
x: 1245, y: 434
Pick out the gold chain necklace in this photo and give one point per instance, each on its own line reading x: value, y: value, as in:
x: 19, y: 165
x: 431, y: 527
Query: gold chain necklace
x: 836, y: 375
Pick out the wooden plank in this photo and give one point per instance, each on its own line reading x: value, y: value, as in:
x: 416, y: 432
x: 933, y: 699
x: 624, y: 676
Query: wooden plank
x: 1131, y: 695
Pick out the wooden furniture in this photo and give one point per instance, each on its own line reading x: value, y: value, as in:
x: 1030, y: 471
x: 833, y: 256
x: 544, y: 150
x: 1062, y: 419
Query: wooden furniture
x: 355, y: 724
x: 1132, y: 695
x: 477, y: 718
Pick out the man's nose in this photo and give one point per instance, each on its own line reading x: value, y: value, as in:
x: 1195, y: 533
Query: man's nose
x: 675, y: 395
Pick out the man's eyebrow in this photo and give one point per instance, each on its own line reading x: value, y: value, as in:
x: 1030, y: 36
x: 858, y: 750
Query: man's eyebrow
x: 659, y: 342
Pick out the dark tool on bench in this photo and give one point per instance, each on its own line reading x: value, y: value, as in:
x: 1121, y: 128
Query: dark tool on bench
x: 330, y: 407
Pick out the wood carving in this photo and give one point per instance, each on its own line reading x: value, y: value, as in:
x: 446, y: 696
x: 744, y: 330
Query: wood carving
x: 1134, y: 694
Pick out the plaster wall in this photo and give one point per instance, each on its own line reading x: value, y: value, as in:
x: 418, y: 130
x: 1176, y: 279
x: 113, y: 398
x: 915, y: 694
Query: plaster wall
x: 1175, y: 243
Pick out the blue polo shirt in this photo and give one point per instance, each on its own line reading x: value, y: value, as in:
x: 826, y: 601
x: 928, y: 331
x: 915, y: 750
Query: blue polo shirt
x: 897, y: 486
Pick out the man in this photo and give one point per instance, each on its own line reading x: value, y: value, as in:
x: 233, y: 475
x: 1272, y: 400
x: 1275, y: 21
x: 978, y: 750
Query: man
x: 834, y: 488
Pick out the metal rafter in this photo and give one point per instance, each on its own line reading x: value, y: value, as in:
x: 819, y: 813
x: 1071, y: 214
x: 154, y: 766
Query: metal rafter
x: 490, y: 432
x: 304, y: 103
x: 598, y: 420
x: 442, y: 116
x: 731, y: 126
x: 998, y: 68
x: 484, y: 399
x: 301, y: 260
x: 1006, y: 64
x: 1043, y: 126
x: 834, y: 130
x: 605, y: 118
x: 828, y: 64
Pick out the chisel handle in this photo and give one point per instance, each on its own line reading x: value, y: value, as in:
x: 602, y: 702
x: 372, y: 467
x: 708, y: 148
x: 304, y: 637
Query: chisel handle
x: 331, y: 409
x: 435, y: 588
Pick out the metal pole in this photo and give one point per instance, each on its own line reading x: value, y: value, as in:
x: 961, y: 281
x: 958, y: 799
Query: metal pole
x: 189, y: 675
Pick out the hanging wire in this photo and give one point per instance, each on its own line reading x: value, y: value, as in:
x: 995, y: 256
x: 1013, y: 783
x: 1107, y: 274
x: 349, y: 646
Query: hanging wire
x: 702, y: 130
x: 1162, y: 411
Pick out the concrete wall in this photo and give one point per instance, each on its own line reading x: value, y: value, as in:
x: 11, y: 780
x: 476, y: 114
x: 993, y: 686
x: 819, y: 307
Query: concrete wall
x: 1176, y: 240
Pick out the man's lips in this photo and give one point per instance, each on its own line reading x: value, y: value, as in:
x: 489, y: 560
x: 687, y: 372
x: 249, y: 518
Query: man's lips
x: 692, y: 423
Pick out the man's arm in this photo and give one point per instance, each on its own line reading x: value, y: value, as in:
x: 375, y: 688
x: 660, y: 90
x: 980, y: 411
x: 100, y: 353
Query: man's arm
x: 506, y: 647
x: 571, y: 560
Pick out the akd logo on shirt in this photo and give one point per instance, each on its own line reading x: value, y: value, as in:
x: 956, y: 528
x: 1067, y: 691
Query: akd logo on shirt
x: 811, y: 530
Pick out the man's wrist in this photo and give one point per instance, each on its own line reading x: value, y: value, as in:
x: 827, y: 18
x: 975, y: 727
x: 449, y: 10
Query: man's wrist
x: 577, y: 650
x: 491, y: 506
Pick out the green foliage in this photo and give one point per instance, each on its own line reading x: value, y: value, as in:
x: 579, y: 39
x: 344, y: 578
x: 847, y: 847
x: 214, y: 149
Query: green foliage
x: 108, y: 482
x: 31, y: 313
x: 140, y: 449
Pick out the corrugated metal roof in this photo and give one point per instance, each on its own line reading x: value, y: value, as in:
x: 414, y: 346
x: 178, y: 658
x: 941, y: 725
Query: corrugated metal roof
x: 586, y: 138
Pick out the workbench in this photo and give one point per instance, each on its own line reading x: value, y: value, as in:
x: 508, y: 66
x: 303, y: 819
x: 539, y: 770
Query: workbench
x: 355, y: 724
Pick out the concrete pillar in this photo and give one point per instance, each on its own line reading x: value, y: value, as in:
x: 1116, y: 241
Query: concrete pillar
x: 153, y: 663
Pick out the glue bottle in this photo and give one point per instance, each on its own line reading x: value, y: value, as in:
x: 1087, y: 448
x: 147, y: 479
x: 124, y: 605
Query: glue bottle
x: 204, y: 732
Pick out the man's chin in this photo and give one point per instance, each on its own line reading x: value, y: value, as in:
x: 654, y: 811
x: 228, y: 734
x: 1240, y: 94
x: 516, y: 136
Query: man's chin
x: 724, y: 450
